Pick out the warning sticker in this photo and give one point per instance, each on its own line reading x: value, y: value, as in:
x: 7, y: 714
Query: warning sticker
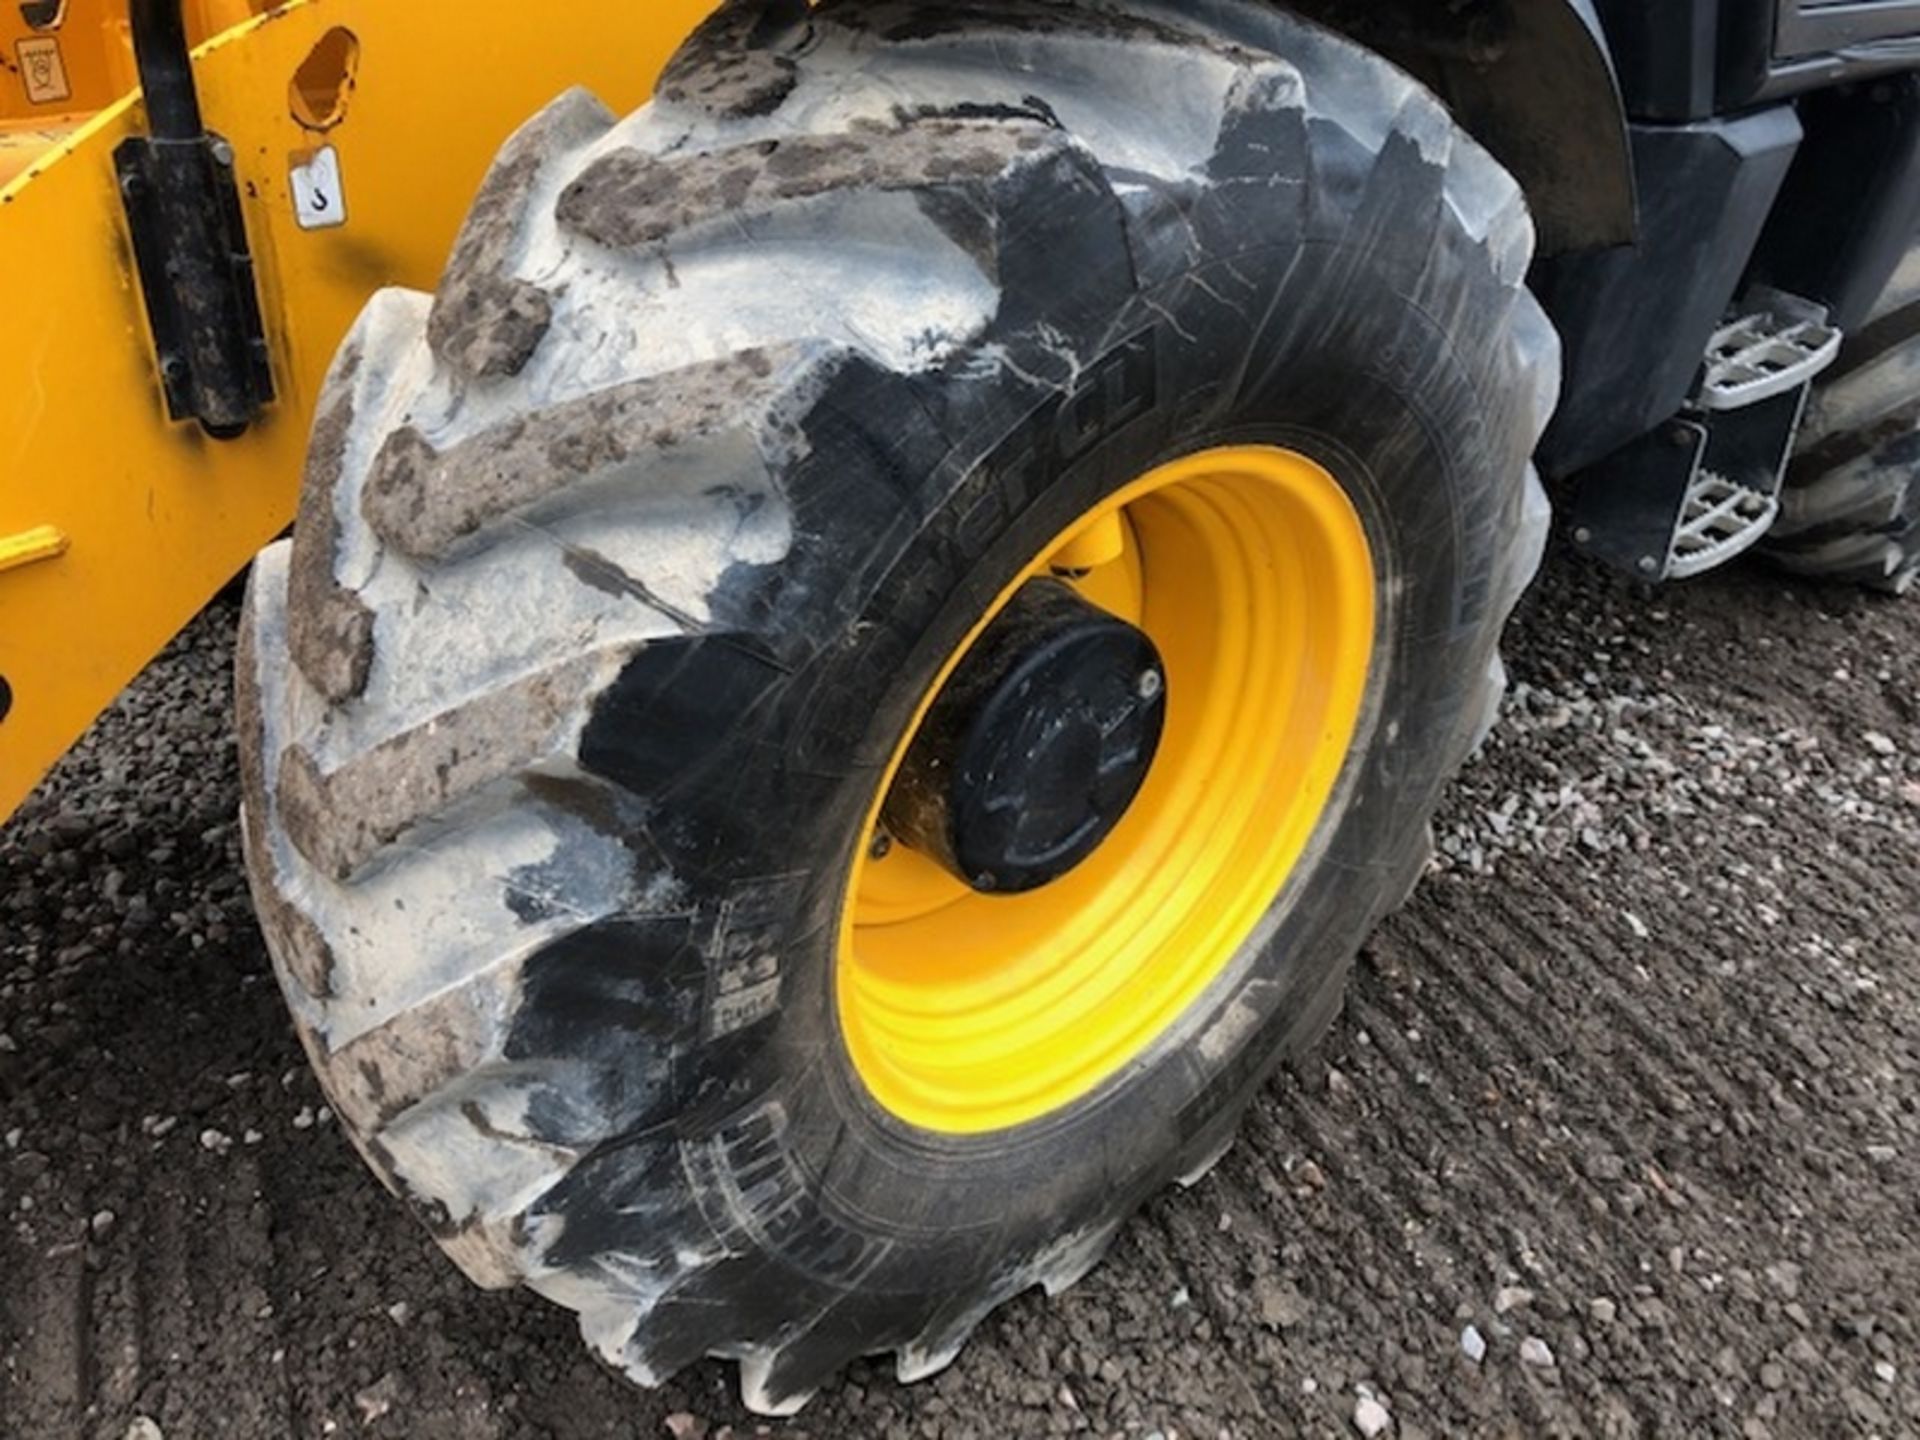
x: 44, y: 71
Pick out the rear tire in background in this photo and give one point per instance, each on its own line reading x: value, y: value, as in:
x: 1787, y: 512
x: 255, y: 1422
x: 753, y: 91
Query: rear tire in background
x: 1851, y: 508
x: 630, y: 563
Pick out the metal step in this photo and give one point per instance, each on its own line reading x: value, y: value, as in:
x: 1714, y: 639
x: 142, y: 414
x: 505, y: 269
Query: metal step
x: 1705, y: 487
x: 1719, y: 520
x: 1765, y: 354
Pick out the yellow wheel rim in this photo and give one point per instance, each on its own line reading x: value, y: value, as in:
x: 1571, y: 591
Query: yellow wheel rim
x: 1250, y: 569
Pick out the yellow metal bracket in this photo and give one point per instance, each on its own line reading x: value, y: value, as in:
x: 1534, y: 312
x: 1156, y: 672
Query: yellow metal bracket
x: 31, y: 546
x: 160, y: 516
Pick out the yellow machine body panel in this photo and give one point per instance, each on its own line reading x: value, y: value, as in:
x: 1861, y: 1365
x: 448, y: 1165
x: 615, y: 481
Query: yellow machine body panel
x: 61, y: 64
x: 118, y: 525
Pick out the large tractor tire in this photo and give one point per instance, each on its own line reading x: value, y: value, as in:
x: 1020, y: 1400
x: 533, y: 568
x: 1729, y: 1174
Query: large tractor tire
x: 853, y: 683
x: 1851, y: 508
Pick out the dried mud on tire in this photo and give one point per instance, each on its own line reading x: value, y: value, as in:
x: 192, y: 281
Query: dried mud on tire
x: 1637, y: 1076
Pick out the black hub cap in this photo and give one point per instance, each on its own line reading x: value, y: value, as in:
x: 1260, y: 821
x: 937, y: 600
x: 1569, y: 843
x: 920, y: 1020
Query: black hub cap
x: 1037, y: 745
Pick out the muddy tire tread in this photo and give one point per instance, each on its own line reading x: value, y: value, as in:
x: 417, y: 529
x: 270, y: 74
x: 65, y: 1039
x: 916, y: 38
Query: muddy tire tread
x: 459, y: 448
x: 1851, y: 509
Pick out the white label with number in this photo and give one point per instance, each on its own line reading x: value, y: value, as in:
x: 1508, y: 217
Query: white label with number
x: 319, y: 195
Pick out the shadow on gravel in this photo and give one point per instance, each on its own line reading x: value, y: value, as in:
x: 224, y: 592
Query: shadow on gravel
x: 1619, y: 1134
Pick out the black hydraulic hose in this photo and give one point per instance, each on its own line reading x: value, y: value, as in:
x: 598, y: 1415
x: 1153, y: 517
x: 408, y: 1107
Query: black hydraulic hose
x: 166, y: 72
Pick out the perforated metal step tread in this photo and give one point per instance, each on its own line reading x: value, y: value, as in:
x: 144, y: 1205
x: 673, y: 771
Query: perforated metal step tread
x: 1720, y: 520
x: 1765, y: 354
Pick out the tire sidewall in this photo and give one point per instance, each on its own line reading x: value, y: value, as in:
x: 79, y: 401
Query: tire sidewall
x: 1402, y: 428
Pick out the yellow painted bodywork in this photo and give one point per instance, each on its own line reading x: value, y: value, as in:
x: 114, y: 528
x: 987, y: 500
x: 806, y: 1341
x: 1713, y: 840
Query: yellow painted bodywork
x: 155, y: 516
x: 31, y: 547
x: 53, y: 80
x: 1251, y: 570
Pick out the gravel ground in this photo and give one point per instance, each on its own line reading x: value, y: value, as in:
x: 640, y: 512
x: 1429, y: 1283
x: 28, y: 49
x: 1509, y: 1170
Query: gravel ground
x: 1620, y: 1134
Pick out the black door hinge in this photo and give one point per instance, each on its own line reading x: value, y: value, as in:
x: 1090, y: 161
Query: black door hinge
x: 182, y: 201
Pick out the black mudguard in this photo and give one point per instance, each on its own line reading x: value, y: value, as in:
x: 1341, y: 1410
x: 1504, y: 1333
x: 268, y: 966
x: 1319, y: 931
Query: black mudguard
x: 1534, y: 82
